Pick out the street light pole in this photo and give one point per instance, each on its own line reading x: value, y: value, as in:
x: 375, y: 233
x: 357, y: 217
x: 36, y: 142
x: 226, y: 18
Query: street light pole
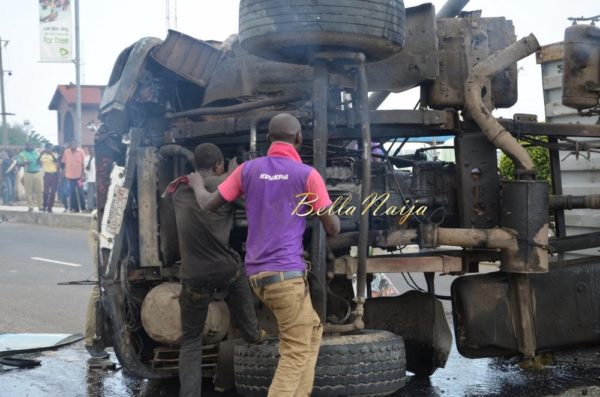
x: 4, y: 129
x: 77, y: 78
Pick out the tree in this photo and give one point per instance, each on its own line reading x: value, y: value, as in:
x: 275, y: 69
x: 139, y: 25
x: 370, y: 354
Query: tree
x: 17, y: 135
x: 540, y: 157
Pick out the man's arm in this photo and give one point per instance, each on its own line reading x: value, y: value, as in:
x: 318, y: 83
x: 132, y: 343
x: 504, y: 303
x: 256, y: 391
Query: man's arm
x: 229, y: 190
x: 331, y: 224
x: 206, y: 200
x: 21, y: 160
x: 12, y: 165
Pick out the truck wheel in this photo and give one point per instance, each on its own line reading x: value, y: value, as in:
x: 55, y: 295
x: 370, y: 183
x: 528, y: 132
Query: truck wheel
x: 290, y: 30
x: 368, y: 363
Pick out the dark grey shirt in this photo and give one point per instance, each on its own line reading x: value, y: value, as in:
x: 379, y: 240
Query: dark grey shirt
x: 204, y: 236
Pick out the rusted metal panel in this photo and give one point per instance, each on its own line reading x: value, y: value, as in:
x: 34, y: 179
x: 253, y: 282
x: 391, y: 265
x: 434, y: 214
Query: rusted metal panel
x: 585, y: 129
x: 242, y: 75
x: 501, y: 34
x: 418, y: 60
x: 169, y: 240
x: 421, y: 321
x: 524, y: 313
x: 463, y: 42
x: 190, y: 58
x: 478, y: 181
x: 392, y: 264
x: 121, y: 88
x: 318, y: 253
x: 484, y: 308
x: 384, y: 123
x: 148, y: 207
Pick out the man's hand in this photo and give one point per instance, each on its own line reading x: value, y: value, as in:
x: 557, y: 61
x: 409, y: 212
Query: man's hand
x: 233, y: 164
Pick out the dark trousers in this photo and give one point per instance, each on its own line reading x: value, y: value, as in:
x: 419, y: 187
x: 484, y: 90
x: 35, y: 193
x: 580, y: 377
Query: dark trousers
x: 8, y: 188
x: 91, y: 195
x: 50, y: 185
x: 77, y: 201
x: 63, y: 191
x: 194, y: 300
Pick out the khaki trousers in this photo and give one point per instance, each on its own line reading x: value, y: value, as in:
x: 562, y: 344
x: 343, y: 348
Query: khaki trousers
x: 90, y: 317
x: 300, y: 332
x: 33, y: 189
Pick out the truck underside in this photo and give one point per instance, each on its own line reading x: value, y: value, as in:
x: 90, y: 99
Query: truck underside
x: 165, y: 97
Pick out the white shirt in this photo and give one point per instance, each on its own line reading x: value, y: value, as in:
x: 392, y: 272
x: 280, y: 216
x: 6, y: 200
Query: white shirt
x: 90, y: 176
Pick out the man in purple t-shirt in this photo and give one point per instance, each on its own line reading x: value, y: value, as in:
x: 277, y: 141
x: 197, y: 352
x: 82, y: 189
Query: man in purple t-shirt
x: 274, y: 252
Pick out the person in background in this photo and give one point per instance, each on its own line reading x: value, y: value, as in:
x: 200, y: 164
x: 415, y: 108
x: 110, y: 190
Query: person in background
x: 9, y: 173
x: 32, y: 180
x: 90, y: 178
x: 93, y: 343
x: 49, y: 161
x: 63, y: 183
x: 74, y: 160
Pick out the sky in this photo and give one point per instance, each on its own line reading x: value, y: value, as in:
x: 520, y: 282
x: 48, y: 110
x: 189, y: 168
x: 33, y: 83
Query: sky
x: 108, y: 26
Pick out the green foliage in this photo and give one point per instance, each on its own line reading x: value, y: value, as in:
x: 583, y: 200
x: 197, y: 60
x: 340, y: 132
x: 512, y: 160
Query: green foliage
x: 17, y: 135
x: 540, y: 157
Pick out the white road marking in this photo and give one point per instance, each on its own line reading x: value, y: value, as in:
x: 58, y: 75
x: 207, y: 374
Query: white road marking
x: 35, y: 258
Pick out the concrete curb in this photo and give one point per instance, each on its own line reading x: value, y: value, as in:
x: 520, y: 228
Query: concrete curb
x: 68, y: 221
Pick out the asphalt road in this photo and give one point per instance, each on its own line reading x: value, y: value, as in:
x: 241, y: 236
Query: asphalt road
x: 31, y: 301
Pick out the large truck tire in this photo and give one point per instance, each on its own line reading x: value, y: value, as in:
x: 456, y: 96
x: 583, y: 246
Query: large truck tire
x: 368, y: 363
x: 290, y: 30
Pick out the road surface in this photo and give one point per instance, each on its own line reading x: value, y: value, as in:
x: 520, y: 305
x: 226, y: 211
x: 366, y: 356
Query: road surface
x: 33, y: 259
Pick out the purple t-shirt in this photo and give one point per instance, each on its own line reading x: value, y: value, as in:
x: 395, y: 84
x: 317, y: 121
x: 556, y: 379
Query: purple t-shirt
x: 271, y: 186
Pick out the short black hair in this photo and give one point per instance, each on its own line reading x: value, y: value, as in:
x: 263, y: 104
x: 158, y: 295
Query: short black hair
x: 206, y: 156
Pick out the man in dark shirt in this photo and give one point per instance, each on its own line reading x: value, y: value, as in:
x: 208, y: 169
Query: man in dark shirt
x: 208, y: 265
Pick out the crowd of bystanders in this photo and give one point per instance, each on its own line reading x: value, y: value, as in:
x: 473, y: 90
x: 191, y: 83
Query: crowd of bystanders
x: 68, y: 174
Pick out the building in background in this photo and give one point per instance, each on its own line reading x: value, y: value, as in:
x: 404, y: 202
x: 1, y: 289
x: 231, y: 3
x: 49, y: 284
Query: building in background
x: 63, y: 101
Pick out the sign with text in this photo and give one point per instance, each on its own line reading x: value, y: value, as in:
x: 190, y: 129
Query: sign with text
x: 56, y: 41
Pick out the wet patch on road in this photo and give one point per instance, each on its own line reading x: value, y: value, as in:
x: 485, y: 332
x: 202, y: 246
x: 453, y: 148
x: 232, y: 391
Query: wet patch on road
x: 567, y: 374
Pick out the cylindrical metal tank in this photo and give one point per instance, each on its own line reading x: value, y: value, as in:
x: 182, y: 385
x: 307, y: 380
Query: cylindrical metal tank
x: 581, y: 72
x: 161, y: 316
x: 524, y: 210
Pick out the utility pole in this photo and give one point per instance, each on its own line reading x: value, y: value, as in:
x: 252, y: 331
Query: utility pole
x: 77, y: 78
x: 171, y: 14
x: 4, y: 129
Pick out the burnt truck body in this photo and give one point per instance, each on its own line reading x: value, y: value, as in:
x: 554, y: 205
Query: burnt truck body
x: 319, y: 60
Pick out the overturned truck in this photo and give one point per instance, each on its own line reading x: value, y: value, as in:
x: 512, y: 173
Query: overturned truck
x: 319, y: 60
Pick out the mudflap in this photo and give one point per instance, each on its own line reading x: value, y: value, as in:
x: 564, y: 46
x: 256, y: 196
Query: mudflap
x: 419, y: 318
x: 224, y: 379
x: 566, y: 311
